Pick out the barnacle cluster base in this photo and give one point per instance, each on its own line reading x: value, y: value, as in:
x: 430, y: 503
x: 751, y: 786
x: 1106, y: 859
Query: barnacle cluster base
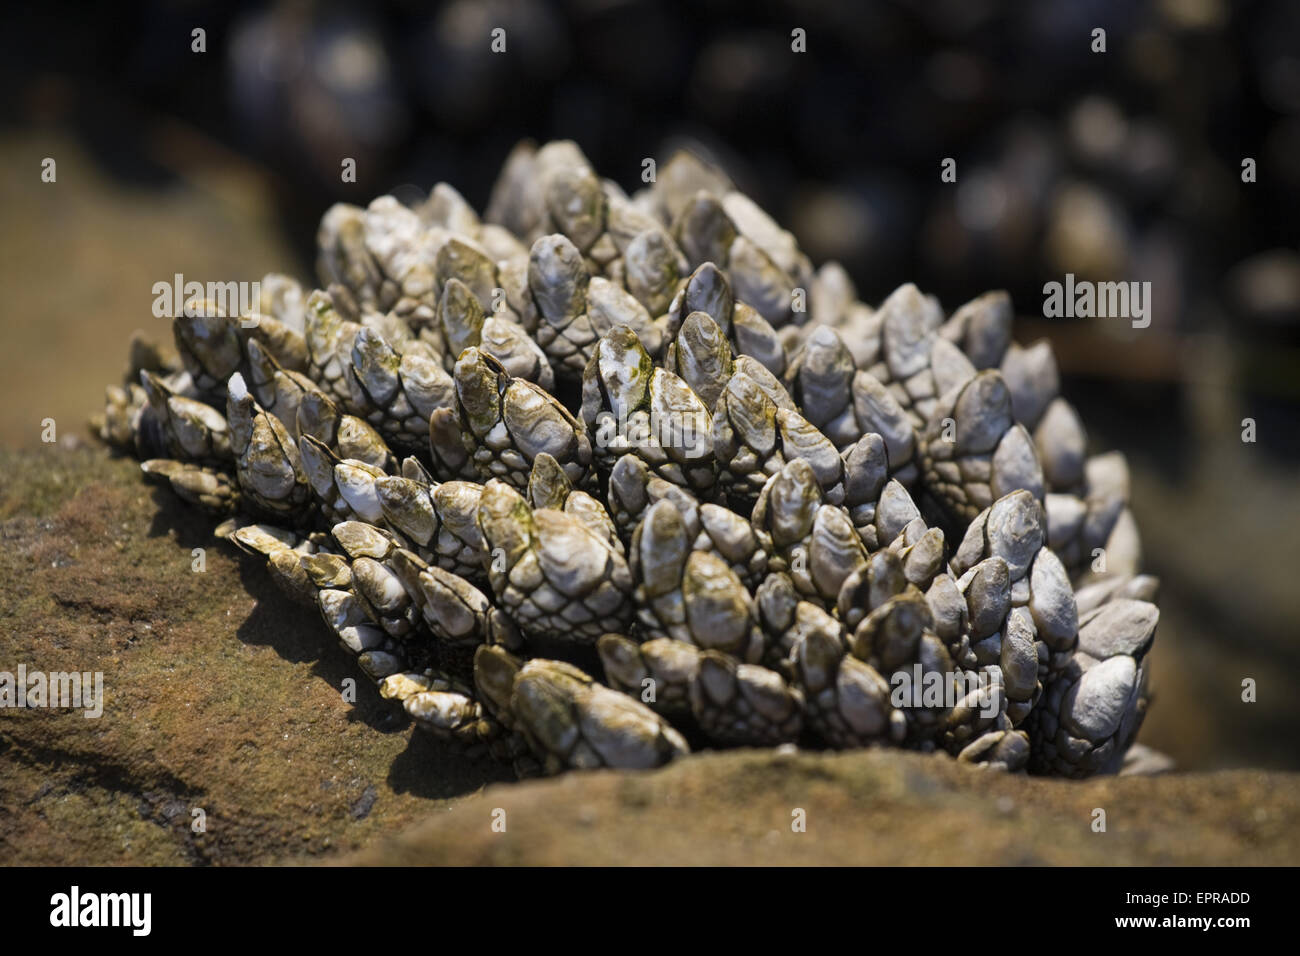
x: 595, y: 479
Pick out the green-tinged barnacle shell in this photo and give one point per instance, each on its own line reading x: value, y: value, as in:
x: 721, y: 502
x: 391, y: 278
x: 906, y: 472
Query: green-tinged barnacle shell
x: 575, y: 309
x: 609, y: 305
x: 450, y: 452
x: 346, y: 435
x: 374, y: 581
x: 812, y: 541
x: 404, y: 251
x: 276, y: 389
x: 358, y: 597
x: 554, y: 577
x: 460, y: 616
x: 212, y: 490
x: 848, y: 701
x: 753, y: 335
x: 558, y: 280
x: 973, y: 452
x: 576, y: 203
x: 377, y: 654
x: 701, y: 357
x: 729, y: 536
x: 633, y: 488
x: 654, y: 269
x: 281, y: 341
x: 753, y: 439
x: 343, y: 256
x: 329, y: 338
x: 396, y: 393
x: 209, y: 345
x: 465, y: 324
x: 846, y: 403
x: 509, y: 344
x: 267, y: 465
x: 744, y: 704
x: 440, y: 520
x: 283, y: 551
x: 690, y: 595
x: 461, y: 317
x: 658, y: 672
x: 549, y: 487
x: 629, y: 405
x: 193, y: 430
x: 572, y: 722
x: 466, y: 262
x: 345, y: 488
x: 445, y: 708
x: 508, y: 422
x: 704, y: 231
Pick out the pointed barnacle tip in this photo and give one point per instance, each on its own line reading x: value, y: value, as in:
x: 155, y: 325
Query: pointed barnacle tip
x: 238, y: 389
x: 623, y: 338
x: 823, y: 335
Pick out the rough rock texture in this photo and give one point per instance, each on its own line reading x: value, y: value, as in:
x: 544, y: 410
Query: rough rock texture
x: 870, y: 807
x: 222, y: 695
x: 219, y: 694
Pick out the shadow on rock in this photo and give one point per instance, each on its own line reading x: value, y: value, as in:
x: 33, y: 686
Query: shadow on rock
x: 297, y: 634
x: 190, y: 527
x: 427, y: 768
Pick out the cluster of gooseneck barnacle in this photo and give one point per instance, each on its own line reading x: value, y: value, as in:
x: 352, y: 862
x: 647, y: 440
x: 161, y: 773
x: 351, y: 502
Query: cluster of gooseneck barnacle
x: 595, y: 475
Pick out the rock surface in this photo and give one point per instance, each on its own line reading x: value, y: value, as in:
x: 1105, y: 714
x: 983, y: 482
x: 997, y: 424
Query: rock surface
x: 222, y: 696
x: 870, y: 807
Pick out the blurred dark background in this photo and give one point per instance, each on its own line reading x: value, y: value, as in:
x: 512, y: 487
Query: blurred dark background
x: 1122, y: 165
